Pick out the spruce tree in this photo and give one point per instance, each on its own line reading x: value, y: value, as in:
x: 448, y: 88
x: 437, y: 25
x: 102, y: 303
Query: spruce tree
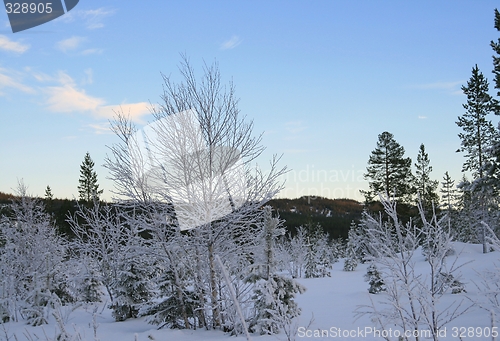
x: 466, y: 222
x: 48, y: 193
x: 374, y: 278
x: 449, y: 198
x: 425, y: 187
x: 351, y: 258
x: 88, y: 188
x: 388, y: 171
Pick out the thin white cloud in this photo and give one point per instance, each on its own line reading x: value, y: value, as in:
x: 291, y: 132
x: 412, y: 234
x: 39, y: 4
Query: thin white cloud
x: 94, y: 17
x: 91, y: 51
x: 89, y: 77
x: 296, y: 151
x: 70, y: 44
x: 440, y: 85
x: 295, y: 127
x: 41, y: 77
x: 10, y: 79
x: 74, y: 43
x: 12, y: 46
x: 101, y: 128
x: 231, y: 43
x: 422, y: 117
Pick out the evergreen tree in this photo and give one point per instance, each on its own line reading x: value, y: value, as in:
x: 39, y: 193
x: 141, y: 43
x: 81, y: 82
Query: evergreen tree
x: 478, y: 134
x: 275, y: 305
x: 426, y: 188
x: 492, y: 168
x: 496, y: 58
x: 131, y: 290
x: 351, y: 258
x: 388, y: 171
x: 48, y: 193
x: 466, y: 221
x: 48, y: 199
x: 88, y: 188
x: 448, y: 198
x: 374, y: 278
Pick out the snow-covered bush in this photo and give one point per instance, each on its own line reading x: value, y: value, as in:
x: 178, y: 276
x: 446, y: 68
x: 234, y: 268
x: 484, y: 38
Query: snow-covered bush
x: 274, y: 304
x: 32, y: 261
x: 413, y: 298
x: 351, y: 257
x: 374, y: 279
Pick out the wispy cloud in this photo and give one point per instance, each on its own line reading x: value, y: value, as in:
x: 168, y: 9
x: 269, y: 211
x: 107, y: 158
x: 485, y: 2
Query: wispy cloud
x: 91, y: 51
x: 136, y: 111
x: 67, y: 97
x: 100, y: 128
x: 453, y: 87
x: 296, y: 151
x: 70, y: 44
x: 89, y: 77
x: 9, y: 79
x: 422, y: 117
x: 231, y: 43
x: 93, y: 19
x: 12, y: 46
x: 295, y: 127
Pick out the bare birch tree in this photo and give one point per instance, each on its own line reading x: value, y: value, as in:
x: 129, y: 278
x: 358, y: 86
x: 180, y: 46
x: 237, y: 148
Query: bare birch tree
x: 197, y: 156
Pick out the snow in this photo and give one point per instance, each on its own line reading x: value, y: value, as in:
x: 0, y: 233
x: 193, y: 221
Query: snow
x: 329, y: 301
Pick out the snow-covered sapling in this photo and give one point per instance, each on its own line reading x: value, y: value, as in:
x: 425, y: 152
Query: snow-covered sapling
x: 374, y: 278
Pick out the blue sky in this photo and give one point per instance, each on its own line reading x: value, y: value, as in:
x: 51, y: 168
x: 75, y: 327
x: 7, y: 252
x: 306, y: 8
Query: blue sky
x: 321, y: 79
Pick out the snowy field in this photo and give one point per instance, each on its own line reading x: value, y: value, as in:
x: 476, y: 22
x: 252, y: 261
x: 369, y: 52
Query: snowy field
x: 329, y: 302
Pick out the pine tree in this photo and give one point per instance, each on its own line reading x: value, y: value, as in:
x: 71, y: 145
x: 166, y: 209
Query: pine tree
x: 492, y: 167
x: 496, y: 59
x: 88, y: 188
x: 426, y: 188
x: 388, y: 171
x: 478, y: 140
x: 478, y: 134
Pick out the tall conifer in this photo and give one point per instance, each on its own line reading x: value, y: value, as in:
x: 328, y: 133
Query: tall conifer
x: 388, y: 171
x: 88, y: 188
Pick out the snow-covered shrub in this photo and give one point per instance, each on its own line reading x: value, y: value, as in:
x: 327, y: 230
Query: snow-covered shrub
x: 351, y: 258
x: 374, y: 278
x: 274, y: 304
x: 309, y: 253
x: 413, y: 298
x: 32, y: 261
x: 131, y: 289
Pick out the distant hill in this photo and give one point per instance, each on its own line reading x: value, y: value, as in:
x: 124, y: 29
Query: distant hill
x: 334, y: 215
x: 5, y: 198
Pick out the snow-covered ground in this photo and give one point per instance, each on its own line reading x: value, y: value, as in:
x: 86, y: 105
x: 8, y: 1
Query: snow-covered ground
x: 329, y: 302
